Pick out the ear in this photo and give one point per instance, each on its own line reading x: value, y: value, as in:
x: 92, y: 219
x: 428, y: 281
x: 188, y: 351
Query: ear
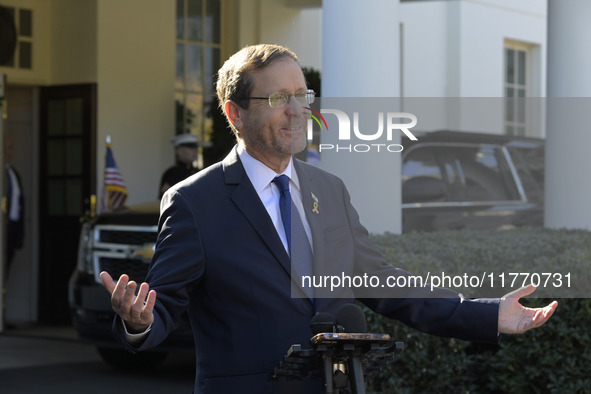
x: 234, y: 113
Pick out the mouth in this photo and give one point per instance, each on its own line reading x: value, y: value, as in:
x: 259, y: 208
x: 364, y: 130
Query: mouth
x: 293, y: 127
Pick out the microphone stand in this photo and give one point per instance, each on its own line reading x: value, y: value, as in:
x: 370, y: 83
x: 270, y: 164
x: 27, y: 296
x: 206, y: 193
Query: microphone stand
x: 357, y: 382
x: 338, y: 359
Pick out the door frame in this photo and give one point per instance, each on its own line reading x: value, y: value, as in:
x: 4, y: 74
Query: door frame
x: 50, y: 290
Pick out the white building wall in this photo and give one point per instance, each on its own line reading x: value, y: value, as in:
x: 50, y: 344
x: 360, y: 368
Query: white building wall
x: 466, y: 38
x: 135, y: 76
x: 424, y: 48
x: 484, y: 27
x: 456, y: 49
x: 361, y: 61
x: 440, y: 39
x: 275, y: 22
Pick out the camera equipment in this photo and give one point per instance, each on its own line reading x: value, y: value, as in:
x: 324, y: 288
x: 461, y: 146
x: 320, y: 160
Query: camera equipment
x: 342, y: 352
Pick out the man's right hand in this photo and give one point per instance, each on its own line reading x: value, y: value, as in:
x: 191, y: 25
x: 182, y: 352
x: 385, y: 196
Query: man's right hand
x: 136, y: 312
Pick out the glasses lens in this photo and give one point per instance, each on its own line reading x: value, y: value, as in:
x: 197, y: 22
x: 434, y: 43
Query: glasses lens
x: 302, y: 98
x: 310, y: 96
x: 277, y: 100
x: 282, y: 100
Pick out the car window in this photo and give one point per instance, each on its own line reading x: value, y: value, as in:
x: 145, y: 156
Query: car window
x: 421, y: 162
x: 529, y: 164
x: 480, y: 173
x: 461, y: 173
x: 422, y: 177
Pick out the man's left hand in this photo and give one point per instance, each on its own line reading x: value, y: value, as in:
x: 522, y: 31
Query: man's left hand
x: 514, y: 318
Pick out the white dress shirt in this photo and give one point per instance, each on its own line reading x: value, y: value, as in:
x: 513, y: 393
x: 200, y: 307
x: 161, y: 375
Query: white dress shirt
x: 261, y: 178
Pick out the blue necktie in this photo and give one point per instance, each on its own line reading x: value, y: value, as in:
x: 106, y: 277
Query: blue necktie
x: 297, y: 240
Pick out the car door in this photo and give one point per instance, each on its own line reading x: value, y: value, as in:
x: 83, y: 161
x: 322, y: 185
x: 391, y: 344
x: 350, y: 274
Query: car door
x: 428, y: 193
x: 450, y: 186
x: 483, y: 185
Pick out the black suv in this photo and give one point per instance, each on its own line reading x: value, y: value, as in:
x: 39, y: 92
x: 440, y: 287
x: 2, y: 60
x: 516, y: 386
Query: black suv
x: 450, y: 180
x: 459, y: 180
x: 119, y: 243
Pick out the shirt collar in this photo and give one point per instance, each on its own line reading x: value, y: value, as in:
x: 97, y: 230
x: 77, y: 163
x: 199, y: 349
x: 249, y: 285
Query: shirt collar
x: 260, y: 175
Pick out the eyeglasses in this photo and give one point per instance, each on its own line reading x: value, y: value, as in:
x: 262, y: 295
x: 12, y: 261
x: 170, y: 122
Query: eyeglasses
x: 282, y: 100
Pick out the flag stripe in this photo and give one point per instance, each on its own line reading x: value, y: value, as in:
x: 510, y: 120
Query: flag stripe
x: 115, y: 192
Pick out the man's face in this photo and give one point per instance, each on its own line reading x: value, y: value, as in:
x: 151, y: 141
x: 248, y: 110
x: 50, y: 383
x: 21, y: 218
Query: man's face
x: 272, y: 134
x: 186, y: 154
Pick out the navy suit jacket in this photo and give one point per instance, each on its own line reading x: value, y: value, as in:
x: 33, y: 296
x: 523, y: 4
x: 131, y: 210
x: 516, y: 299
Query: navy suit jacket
x: 219, y: 256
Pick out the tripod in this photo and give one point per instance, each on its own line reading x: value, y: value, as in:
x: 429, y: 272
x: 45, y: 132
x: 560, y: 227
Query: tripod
x: 339, y: 360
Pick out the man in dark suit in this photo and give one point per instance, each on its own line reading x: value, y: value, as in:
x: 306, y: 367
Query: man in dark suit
x: 223, y: 252
x: 14, y: 207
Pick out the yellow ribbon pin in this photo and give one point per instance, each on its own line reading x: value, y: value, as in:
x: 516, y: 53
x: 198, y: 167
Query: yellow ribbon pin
x: 315, y: 208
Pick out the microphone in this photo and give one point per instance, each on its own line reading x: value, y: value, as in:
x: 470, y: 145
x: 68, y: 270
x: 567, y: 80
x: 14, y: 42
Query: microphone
x: 350, y: 318
x: 322, y: 322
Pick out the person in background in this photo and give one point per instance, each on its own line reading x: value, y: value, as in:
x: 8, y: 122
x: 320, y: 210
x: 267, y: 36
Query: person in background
x: 185, y: 147
x: 14, y: 207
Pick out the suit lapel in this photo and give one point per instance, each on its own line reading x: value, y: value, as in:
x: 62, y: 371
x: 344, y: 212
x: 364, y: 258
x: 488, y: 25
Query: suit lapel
x: 313, y: 211
x: 249, y: 204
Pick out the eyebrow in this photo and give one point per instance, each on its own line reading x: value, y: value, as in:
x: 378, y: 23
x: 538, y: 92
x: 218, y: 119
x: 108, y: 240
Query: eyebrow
x: 298, y: 91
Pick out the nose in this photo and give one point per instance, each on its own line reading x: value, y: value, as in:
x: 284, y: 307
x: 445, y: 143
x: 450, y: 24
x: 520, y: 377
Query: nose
x: 294, y: 107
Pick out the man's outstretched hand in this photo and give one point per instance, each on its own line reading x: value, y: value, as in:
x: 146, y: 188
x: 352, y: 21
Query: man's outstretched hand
x: 514, y: 318
x: 136, y: 312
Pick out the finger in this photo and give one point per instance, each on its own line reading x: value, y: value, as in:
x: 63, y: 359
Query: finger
x: 148, y: 311
x: 521, y: 292
x: 549, y: 310
x: 543, y: 314
x: 108, y: 282
x: 119, y: 291
x: 128, y: 298
x: 138, y: 304
x: 150, y: 301
x: 539, y: 314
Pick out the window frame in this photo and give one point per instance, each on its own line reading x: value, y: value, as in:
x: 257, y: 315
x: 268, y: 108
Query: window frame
x: 201, y: 98
x: 516, y: 118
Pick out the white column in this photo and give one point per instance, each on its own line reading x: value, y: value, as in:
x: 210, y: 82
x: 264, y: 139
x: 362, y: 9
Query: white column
x: 361, y: 59
x: 568, y: 162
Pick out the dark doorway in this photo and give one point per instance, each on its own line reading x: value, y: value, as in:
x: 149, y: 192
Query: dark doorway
x: 67, y: 179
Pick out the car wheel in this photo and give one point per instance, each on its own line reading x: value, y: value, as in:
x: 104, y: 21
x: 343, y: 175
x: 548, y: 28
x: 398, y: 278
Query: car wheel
x: 119, y: 358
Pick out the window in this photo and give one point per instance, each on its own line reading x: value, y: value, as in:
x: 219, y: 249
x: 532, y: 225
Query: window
x: 456, y: 173
x: 23, y: 55
x: 481, y: 174
x: 516, y: 87
x: 198, y: 44
x: 422, y: 178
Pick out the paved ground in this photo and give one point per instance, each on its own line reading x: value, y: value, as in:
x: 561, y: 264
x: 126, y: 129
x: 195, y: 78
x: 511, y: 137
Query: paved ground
x: 51, y: 360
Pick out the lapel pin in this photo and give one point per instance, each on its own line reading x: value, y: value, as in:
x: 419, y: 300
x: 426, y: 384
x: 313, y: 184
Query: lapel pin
x: 315, y: 208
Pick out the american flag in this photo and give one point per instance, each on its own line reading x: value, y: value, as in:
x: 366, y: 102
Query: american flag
x: 115, y: 192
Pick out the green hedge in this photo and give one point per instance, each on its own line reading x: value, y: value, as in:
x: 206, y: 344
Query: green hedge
x: 555, y: 358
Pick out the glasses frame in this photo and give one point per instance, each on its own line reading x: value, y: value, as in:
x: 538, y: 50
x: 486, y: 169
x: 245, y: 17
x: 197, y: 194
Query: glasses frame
x: 309, y: 97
